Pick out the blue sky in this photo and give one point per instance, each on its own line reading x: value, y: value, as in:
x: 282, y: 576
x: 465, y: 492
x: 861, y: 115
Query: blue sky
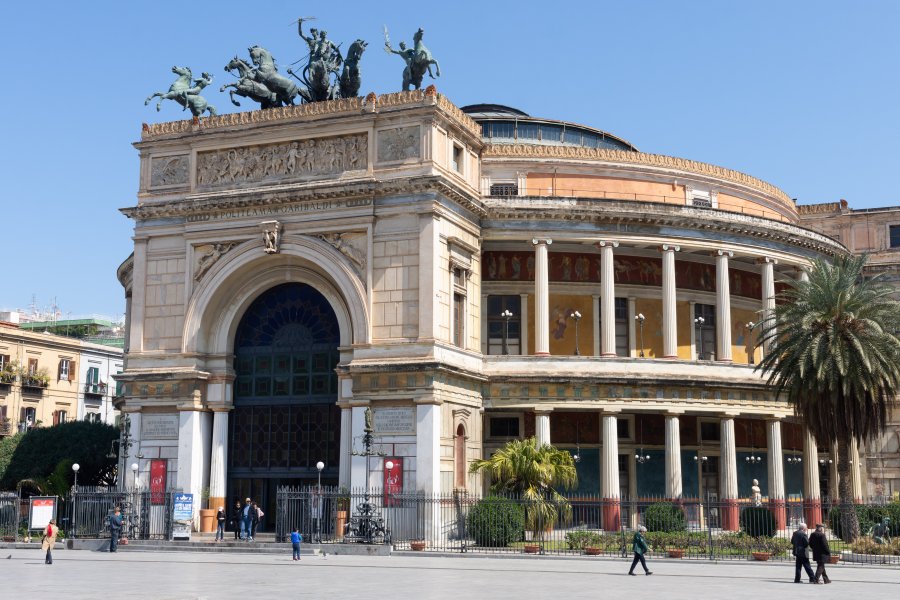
x: 803, y: 94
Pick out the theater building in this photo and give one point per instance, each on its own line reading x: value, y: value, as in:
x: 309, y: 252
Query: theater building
x: 473, y: 275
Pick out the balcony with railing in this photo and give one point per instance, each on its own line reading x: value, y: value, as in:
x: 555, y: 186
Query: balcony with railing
x: 95, y: 388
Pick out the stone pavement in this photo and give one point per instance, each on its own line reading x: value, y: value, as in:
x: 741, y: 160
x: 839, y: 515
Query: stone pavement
x: 162, y: 576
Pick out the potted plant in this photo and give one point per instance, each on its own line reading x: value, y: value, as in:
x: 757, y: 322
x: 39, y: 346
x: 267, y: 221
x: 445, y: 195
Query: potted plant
x: 417, y: 545
x: 761, y: 556
x: 675, y: 552
x: 593, y: 550
x: 834, y: 559
x: 207, y: 515
x: 531, y: 548
x: 342, y: 513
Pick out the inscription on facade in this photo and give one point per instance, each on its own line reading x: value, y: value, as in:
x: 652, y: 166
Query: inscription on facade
x: 169, y: 170
x: 401, y: 420
x: 287, y: 160
x: 398, y: 144
x: 159, y: 427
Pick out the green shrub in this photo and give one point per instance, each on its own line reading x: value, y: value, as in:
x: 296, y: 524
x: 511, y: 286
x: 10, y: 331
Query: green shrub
x: 868, y: 516
x: 664, y: 516
x: 758, y: 521
x: 496, y: 522
x: 579, y: 540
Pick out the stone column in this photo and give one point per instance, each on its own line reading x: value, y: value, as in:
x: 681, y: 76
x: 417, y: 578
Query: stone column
x: 768, y: 293
x: 812, y: 499
x: 358, y: 474
x: 607, y: 299
x: 194, y: 444
x: 776, y: 473
x: 609, y: 472
x: 541, y: 297
x: 346, y: 447
x: 428, y: 448
x: 218, y: 468
x: 728, y: 486
x: 542, y: 428
x: 723, y: 307
x: 670, y: 325
x: 595, y: 339
x: 856, y: 484
x: 673, y: 457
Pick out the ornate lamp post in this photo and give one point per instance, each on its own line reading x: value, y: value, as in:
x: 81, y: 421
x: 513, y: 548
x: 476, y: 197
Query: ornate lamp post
x: 507, y: 315
x: 640, y: 321
x: 750, y: 327
x: 366, y: 524
x: 319, y: 466
x: 75, y: 468
x: 124, y: 443
x: 700, y: 321
x: 577, y: 316
x: 134, y: 496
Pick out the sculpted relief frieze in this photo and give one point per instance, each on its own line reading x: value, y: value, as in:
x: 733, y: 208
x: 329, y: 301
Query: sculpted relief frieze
x: 206, y: 255
x: 353, y: 245
x: 398, y: 144
x: 169, y: 170
x: 287, y: 160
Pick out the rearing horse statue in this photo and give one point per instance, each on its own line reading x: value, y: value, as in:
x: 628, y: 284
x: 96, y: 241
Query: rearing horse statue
x: 418, y: 60
x: 247, y: 86
x: 267, y: 74
x: 186, y: 94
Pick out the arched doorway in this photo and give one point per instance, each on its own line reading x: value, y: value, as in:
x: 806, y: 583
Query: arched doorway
x: 285, y: 417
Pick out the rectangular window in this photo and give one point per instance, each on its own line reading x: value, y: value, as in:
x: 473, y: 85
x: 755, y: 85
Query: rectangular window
x: 621, y: 321
x: 710, y: 431
x: 550, y: 133
x: 527, y: 131
x: 65, y: 369
x: 705, y: 331
x: 505, y: 427
x: 4, y: 360
x: 32, y: 366
x: 895, y: 236
x: 458, y: 316
x: 623, y: 429
x: 500, y: 326
x: 457, y: 158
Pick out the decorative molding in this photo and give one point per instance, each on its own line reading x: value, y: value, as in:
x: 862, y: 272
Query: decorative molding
x: 271, y: 236
x: 352, y: 245
x: 636, y: 158
x: 169, y: 170
x: 207, y: 255
x: 286, y: 160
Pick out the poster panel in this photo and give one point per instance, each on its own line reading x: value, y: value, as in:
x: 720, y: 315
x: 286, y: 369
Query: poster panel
x: 41, y: 510
x: 393, y: 480
x: 182, y: 516
x: 158, y: 474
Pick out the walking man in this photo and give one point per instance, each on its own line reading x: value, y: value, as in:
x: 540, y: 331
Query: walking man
x: 800, y: 543
x: 115, y: 526
x: 639, y: 545
x: 818, y: 543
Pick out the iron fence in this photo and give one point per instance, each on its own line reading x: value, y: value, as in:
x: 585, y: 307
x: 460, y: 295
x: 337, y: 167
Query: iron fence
x: 9, y: 516
x: 689, y: 528
x: 145, y: 515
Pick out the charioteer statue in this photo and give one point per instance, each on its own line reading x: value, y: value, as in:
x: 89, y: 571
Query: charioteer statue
x: 418, y: 60
x: 322, y: 76
x: 185, y: 93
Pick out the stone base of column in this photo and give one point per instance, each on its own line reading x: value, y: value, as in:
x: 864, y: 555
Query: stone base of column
x: 780, y: 512
x: 812, y: 511
x: 670, y: 357
x: 542, y: 354
x: 612, y: 515
x: 609, y: 355
x: 730, y: 515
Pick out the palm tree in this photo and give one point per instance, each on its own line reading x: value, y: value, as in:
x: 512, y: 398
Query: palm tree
x: 834, y: 354
x: 533, y: 473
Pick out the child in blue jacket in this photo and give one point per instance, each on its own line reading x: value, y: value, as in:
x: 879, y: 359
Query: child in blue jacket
x: 296, y: 538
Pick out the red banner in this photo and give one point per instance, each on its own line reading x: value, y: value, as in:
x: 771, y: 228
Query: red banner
x: 158, y: 470
x: 393, y: 480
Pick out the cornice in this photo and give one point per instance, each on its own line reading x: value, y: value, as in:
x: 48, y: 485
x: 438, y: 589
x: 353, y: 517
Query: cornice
x: 345, y: 106
x: 635, y: 158
x: 125, y: 272
x: 209, y: 204
x: 521, y: 208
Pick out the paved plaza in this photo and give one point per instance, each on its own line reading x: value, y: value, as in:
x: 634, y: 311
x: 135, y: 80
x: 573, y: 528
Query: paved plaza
x: 84, y: 574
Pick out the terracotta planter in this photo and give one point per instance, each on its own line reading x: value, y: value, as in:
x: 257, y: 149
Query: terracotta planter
x: 762, y: 556
x: 340, y: 524
x: 207, y: 520
x: 676, y: 553
x: 417, y: 545
x: 592, y: 551
x: 834, y: 559
x: 531, y: 548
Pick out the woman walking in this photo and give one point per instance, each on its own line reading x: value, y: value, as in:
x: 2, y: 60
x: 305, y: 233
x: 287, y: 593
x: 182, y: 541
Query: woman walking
x: 220, y: 524
x: 236, y: 519
x: 49, y: 540
x: 639, y: 545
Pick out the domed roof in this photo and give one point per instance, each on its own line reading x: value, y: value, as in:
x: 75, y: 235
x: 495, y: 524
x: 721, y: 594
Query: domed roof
x: 507, y: 125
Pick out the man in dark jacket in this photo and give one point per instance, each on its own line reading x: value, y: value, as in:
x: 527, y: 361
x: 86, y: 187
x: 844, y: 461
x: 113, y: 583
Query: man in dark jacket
x: 115, y: 526
x: 236, y: 519
x: 800, y: 543
x: 818, y: 543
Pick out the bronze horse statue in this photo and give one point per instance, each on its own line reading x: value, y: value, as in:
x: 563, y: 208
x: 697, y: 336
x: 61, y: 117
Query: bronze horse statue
x: 247, y: 86
x: 418, y: 60
x: 185, y: 94
x: 350, y: 80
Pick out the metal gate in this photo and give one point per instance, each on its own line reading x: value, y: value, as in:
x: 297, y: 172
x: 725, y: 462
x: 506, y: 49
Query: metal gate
x: 146, y: 515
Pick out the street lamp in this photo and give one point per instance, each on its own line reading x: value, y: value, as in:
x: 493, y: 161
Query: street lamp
x: 640, y: 321
x: 134, y: 496
x: 75, y: 468
x: 577, y: 316
x: 794, y: 459
x: 507, y: 315
x: 750, y: 326
x: 319, y: 466
x: 700, y: 321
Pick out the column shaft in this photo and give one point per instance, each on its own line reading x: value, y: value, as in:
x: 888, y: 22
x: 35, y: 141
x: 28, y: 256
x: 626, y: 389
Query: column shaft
x: 218, y: 460
x: 812, y: 502
x: 607, y: 300
x: 723, y: 307
x: 345, y: 448
x: 728, y: 475
x: 541, y: 297
x: 670, y: 325
x: 523, y: 326
x: 673, y: 457
x: 542, y: 428
x: 776, y: 473
x: 768, y: 294
x: 609, y: 474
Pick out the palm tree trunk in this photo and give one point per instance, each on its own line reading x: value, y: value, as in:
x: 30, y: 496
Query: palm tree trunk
x: 849, y: 518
